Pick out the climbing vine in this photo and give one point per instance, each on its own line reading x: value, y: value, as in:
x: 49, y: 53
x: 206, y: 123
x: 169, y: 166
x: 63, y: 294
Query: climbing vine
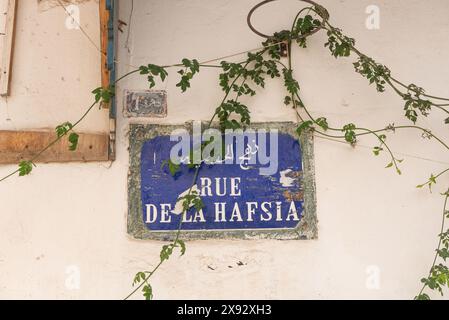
x: 243, y: 78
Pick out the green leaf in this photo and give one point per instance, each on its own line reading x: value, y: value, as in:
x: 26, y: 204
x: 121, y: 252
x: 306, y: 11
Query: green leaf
x: 433, y: 179
x: 151, y: 81
x: 73, y: 139
x: 192, y: 68
x: 339, y: 44
x: 322, y: 122
x: 374, y: 72
x: 377, y: 150
x: 63, y: 129
x: 172, y: 167
x: 422, y: 296
x: 147, y: 292
x: 166, y: 252
x: 198, y: 203
x: 104, y: 95
x: 290, y: 83
x: 144, y: 70
x: 229, y: 108
x: 272, y: 69
x: 192, y: 199
x: 182, y: 245
x: 193, y: 65
x: 184, y: 84
x: 152, y: 70
x: 97, y: 94
x: 304, y: 126
x: 304, y: 26
x: 350, y: 135
x: 186, y: 62
x: 414, y: 104
x: 140, y: 276
x: 25, y: 168
x: 443, y: 253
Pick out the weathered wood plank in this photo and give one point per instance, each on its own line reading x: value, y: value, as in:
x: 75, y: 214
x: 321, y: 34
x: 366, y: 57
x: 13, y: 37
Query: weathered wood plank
x: 16, y: 146
x: 104, y: 20
x: 8, y: 45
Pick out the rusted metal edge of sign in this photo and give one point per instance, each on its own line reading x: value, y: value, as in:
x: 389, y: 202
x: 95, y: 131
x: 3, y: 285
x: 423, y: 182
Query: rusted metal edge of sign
x: 305, y: 229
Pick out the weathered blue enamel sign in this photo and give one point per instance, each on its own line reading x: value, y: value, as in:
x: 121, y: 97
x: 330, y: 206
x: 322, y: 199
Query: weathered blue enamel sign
x: 257, y: 193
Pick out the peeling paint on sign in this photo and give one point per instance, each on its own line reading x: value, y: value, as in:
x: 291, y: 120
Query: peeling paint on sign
x: 239, y: 203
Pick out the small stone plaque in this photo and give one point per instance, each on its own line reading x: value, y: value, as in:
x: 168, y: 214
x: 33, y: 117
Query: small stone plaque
x: 146, y: 104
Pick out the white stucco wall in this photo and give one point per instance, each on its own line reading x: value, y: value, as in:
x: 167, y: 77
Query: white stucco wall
x: 75, y: 214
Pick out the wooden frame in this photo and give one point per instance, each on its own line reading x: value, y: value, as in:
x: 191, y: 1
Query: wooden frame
x: 8, y: 44
x: 16, y: 146
x: 104, y: 22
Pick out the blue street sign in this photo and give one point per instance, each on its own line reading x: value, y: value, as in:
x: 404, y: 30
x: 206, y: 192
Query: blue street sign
x: 263, y: 189
x: 235, y: 196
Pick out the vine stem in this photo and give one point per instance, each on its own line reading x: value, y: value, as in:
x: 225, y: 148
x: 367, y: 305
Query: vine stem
x: 357, y: 129
x: 429, y: 183
x: 389, y: 79
x: 384, y: 130
x: 51, y: 144
x: 410, y: 127
x: 426, y: 95
x: 368, y: 131
x: 440, y: 240
x: 290, y: 69
x: 197, y: 170
x: 178, y: 233
x: 58, y: 138
x: 296, y: 109
x: 441, y: 173
x: 205, y: 64
x: 382, y: 141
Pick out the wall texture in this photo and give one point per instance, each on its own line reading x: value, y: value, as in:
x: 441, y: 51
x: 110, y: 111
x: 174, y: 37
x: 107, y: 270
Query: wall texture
x: 73, y: 216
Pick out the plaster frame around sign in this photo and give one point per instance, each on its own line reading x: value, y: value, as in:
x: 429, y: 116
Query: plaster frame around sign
x: 307, y: 228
